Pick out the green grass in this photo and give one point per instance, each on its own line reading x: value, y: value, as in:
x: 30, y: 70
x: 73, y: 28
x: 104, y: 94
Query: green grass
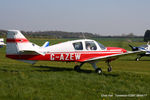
x: 58, y: 81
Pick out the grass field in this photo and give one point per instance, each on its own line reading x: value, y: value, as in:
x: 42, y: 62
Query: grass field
x: 58, y: 81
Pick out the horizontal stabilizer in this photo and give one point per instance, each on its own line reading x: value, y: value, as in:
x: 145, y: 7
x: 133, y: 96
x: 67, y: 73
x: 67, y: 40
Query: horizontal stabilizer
x: 2, y: 42
x: 31, y: 52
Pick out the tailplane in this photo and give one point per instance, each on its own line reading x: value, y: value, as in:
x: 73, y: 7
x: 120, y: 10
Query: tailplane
x: 2, y: 42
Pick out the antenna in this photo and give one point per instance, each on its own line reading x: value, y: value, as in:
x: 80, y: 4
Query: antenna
x: 148, y: 42
x: 83, y: 35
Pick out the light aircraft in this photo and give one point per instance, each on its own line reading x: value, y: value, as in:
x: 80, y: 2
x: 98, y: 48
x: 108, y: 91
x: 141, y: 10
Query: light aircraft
x: 145, y: 48
x: 2, y: 42
x: 82, y: 51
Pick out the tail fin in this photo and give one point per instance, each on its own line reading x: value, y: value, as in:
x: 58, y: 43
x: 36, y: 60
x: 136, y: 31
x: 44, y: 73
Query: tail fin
x: 133, y: 48
x: 46, y: 44
x: 17, y: 42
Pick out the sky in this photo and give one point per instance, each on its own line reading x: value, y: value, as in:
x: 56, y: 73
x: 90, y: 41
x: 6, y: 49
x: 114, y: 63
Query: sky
x: 104, y: 17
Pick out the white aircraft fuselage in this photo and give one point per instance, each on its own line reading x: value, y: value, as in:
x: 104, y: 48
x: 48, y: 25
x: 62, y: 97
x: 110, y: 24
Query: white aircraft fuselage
x: 82, y: 50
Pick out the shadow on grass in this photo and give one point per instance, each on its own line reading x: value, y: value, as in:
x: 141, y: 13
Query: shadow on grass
x: 110, y: 74
x: 132, y: 60
x: 56, y: 69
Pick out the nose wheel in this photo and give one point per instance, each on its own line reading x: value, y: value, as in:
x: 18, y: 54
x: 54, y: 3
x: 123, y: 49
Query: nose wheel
x: 138, y: 58
x: 109, y: 66
x: 109, y: 69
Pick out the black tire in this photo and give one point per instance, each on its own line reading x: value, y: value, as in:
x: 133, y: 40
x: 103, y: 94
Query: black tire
x: 77, y: 68
x: 109, y: 69
x: 98, y: 71
x: 137, y: 59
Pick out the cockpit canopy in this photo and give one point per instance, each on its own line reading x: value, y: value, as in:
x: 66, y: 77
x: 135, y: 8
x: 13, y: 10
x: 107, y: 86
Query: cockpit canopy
x: 76, y: 45
x: 88, y: 45
x: 144, y: 46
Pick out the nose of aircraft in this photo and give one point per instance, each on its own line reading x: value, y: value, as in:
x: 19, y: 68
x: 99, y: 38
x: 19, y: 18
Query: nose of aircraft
x: 123, y: 50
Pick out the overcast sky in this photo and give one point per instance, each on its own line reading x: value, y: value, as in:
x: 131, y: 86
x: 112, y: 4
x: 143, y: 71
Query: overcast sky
x: 105, y: 17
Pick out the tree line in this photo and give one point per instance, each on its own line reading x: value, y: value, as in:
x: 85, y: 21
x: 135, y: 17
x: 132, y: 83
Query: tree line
x: 63, y: 34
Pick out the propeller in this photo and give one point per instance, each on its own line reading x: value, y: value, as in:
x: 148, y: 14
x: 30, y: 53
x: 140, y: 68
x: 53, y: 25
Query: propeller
x: 134, y: 48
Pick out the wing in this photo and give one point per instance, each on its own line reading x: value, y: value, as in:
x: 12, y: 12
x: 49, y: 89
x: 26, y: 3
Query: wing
x: 113, y: 57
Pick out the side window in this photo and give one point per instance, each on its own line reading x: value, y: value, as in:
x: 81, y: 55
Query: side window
x: 90, y: 45
x: 78, y: 46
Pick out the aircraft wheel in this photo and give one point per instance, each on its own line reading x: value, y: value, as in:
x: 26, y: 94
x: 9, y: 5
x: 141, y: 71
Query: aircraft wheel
x: 137, y: 59
x: 109, y: 69
x: 98, y: 70
x: 77, y: 68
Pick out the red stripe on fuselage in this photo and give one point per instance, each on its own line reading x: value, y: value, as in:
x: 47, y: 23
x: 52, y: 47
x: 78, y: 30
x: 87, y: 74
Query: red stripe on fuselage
x: 17, y: 40
x: 72, y: 56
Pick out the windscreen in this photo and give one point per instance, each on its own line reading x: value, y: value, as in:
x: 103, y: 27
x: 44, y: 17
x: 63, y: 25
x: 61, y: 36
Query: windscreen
x: 101, y: 46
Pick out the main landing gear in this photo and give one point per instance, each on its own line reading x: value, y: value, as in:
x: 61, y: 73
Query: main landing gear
x: 77, y: 67
x: 97, y: 70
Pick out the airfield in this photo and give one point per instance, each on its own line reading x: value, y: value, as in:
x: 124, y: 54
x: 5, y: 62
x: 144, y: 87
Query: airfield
x: 58, y: 81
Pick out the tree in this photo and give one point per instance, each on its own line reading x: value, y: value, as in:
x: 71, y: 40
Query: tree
x: 147, y: 36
